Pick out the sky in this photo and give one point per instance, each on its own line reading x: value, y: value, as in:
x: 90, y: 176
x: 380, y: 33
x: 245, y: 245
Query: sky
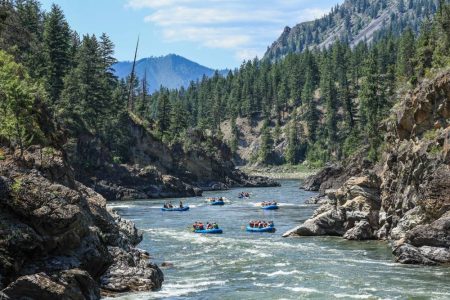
x: 215, y: 33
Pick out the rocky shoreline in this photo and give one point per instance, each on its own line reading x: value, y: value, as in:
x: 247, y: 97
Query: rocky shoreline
x: 57, y: 238
x: 279, y: 172
x: 405, y: 197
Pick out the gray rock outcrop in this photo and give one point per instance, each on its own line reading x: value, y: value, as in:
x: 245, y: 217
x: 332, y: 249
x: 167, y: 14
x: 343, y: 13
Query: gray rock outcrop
x: 405, y: 197
x: 57, y: 238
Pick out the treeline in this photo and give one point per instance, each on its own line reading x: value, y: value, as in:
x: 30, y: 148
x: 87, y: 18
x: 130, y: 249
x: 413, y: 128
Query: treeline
x: 44, y: 64
x: 331, y: 101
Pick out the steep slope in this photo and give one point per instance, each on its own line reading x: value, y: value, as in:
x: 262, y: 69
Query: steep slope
x: 170, y: 71
x: 155, y: 169
x: 354, y: 21
x: 405, y: 198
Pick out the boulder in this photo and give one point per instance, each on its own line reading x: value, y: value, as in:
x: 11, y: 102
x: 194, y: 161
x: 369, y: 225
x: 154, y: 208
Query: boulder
x: 330, y: 222
x: 361, y: 231
x: 71, y: 284
x: 130, y: 271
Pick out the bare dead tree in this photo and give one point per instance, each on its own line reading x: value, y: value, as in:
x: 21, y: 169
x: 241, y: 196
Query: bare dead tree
x: 132, y: 78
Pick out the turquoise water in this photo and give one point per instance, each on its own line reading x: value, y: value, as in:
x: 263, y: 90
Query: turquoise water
x: 241, y: 265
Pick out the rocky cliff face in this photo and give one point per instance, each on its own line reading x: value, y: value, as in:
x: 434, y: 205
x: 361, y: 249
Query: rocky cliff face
x: 57, y: 238
x: 353, y: 21
x: 405, y: 198
x: 156, y: 170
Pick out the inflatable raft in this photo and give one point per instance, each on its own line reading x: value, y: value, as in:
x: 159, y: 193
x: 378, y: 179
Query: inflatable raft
x: 209, y: 231
x: 264, y: 229
x: 217, y: 203
x: 176, y: 209
x: 270, y: 207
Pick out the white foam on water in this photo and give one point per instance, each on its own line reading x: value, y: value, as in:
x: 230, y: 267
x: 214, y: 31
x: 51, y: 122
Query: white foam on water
x: 114, y: 206
x: 352, y: 296
x: 370, y: 289
x: 283, y: 273
x: 257, y: 253
x: 366, y: 261
x: 268, y: 285
x: 292, y: 205
x: 302, y: 290
x: 441, y: 294
x: 331, y: 275
x: 280, y: 264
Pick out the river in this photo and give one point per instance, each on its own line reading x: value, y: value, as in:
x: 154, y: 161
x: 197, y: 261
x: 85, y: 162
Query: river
x: 241, y: 265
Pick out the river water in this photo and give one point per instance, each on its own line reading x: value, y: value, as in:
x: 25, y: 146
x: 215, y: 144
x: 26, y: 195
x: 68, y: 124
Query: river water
x: 241, y: 265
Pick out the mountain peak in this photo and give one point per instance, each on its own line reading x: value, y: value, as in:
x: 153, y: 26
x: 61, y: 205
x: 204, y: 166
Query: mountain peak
x: 170, y: 71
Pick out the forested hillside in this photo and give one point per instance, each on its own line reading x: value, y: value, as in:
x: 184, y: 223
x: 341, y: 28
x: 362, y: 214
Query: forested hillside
x: 323, y: 105
x: 59, y: 91
x: 353, y: 22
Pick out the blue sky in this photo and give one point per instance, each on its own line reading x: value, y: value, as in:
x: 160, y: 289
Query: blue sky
x: 215, y: 33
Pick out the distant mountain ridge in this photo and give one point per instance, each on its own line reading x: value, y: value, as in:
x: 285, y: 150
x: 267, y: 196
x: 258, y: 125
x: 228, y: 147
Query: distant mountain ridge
x: 170, y: 71
x: 354, y: 21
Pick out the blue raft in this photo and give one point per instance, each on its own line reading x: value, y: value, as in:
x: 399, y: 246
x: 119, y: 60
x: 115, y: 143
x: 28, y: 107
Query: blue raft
x: 265, y: 229
x: 209, y: 231
x: 270, y: 207
x: 176, y: 209
x: 217, y: 203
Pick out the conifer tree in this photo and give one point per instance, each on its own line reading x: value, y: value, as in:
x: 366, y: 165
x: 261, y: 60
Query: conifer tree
x: 164, y: 111
x: 57, y: 45
x: 265, y: 149
x: 329, y: 95
x: 406, y: 55
x: 293, y: 141
x: 371, y: 104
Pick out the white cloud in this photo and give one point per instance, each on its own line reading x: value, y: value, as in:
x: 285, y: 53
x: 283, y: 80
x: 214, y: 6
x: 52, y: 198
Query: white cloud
x: 245, y: 26
x: 155, y: 3
x: 209, y: 37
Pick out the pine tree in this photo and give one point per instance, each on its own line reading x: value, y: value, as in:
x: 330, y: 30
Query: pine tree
x: 265, y: 149
x: 293, y: 142
x: 178, y: 119
x: 311, y: 114
x: 164, y: 111
x: 406, y: 55
x: 329, y: 95
x: 57, y: 45
x: 371, y: 104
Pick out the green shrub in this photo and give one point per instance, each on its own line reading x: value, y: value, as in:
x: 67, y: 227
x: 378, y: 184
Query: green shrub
x: 17, y: 185
x: 317, y: 155
x: 117, y: 160
x: 431, y: 134
x: 49, y: 151
x: 436, y: 150
x: 351, y: 144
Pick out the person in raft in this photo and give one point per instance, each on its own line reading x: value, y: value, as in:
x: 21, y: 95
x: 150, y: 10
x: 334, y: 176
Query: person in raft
x: 269, y: 203
x: 260, y: 224
x: 168, y: 205
x: 198, y: 226
x: 181, y: 204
